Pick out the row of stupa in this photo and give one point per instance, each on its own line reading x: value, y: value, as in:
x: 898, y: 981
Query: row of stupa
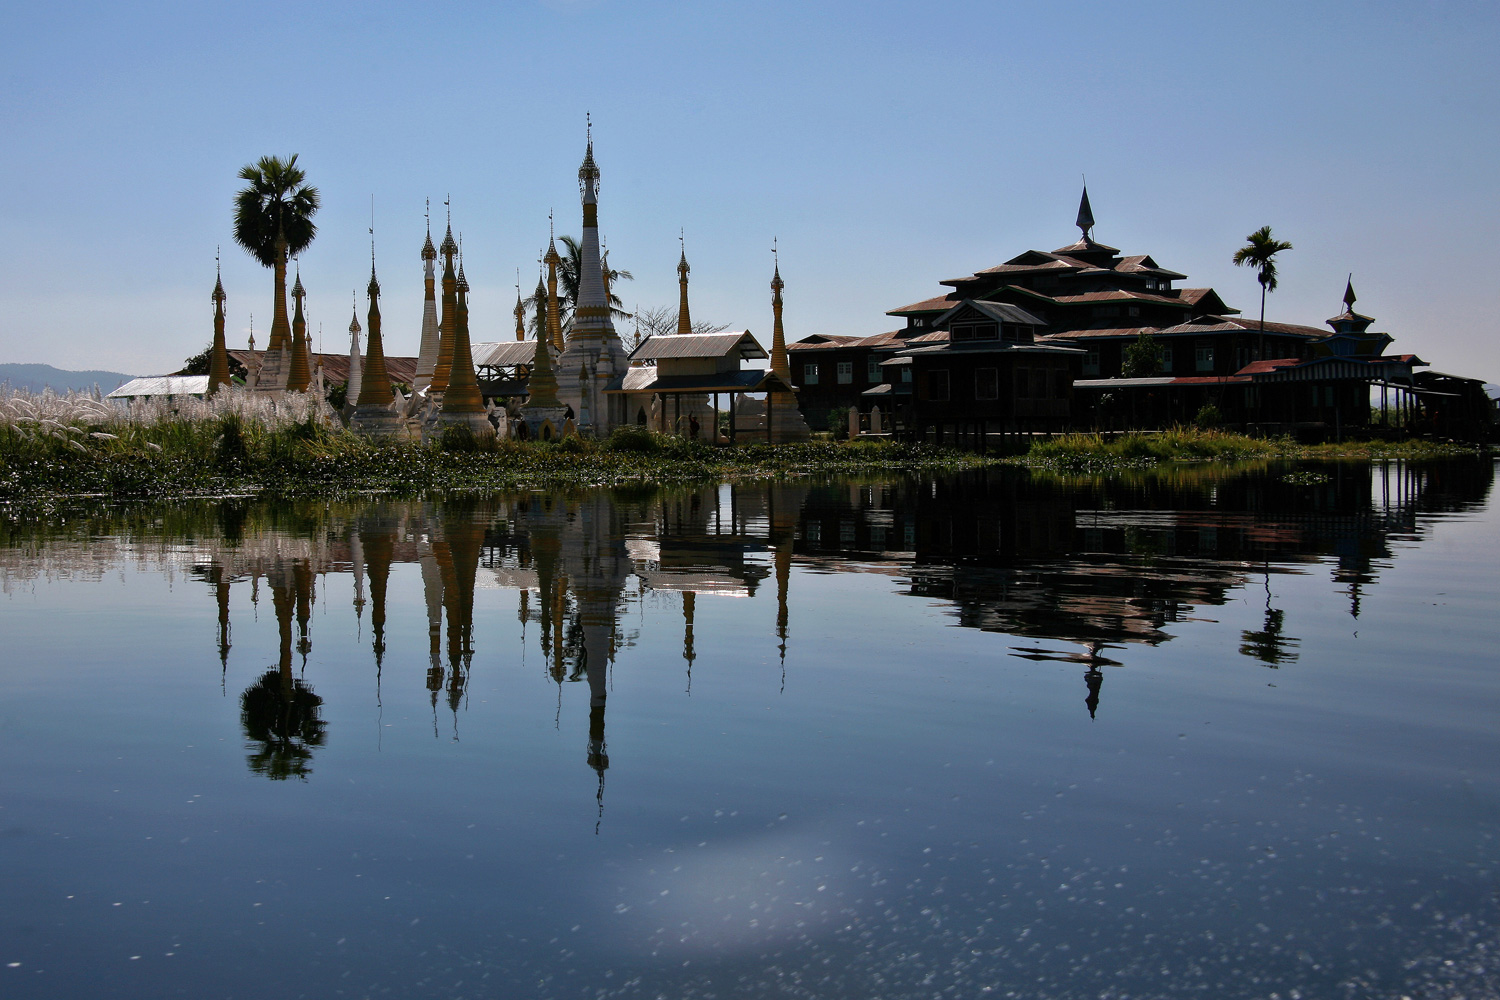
x: 568, y: 379
x: 573, y: 381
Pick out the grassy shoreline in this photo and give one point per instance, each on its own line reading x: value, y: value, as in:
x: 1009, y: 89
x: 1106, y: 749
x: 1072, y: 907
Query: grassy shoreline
x: 169, y: 458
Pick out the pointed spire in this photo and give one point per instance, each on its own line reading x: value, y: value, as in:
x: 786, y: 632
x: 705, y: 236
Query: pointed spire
x: 520, y: 309
x: 1349, y: 296
x: 449, y: 248
x: 375, y: 389
x: 684, y: 318
x: 463, y: 283
x: 463, y: 398
x: 428, y: 251
x: 554, y: 315
x: 588, y: 172
x: 443, y: 369
x: 780, y: 365
x: 218, y: 359
x: 299, y: 373
x: 1085, y: 214
x: 356, y: 367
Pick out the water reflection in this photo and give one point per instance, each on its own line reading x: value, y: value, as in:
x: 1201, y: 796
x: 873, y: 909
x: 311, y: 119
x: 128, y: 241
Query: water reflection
x: 1076, y: 571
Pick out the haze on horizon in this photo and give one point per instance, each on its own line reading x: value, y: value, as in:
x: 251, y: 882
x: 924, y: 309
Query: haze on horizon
x: 885, y: 148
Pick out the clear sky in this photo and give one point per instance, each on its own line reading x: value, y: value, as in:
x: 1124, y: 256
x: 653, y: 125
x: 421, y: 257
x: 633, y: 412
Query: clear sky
x: 886, y: 145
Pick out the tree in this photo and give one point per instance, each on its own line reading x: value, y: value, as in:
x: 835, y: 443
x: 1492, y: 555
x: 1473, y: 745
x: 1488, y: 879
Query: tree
x: 1260, y: 252
x: 567, y: 279
x: 273, y: 221
x: 661, y: 321
x: 198, y: 364
x: 1142, y: 359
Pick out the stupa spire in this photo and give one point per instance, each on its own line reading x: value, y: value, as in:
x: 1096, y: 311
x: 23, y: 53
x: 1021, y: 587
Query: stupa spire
x: 1349, y: 296
x: 298, y: 374
x: 218, y: 360
x: 443, y: 370
x: 427, y: 351
x: 463, y: 403
x: 684, y: 318
x: 520, y: 309
x: 375, y: 389
x: 553, y: 261
x: 373, y: 414
x: 779, y: 363
x: 356, y: 366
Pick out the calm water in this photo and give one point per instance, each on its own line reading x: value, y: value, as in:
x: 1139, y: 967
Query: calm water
x: 1220, y: 734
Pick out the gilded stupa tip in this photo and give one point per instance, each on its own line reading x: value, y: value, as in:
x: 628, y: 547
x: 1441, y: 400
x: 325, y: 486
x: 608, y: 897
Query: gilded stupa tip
x: 428, y: 251
x: 218, y: 294
x: 449, y: 247
x: 297, y: 290
x: 589, y: 169
x: 374, y: 286
x: 354, y: 326
x: 463, y: 283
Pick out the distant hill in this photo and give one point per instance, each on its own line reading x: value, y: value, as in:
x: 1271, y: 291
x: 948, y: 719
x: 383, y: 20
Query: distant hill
x: 38, y: 377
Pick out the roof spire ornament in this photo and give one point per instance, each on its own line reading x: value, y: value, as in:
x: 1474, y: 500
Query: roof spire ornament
x: 1349, y: 296
x: 1085, y: 214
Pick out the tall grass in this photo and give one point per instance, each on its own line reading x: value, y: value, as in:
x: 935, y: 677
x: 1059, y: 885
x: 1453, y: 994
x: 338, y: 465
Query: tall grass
x: 1091, y: 453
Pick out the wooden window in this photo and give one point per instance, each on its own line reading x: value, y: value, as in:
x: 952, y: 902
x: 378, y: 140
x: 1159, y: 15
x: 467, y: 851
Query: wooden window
x: 986, y: 383
x: 846, y: 372
x: 1091, y: 362
x: 963, y: 332
x: 1164, y: 354
x: 906, y: 373
x: 937, y: 386
x: 987, y: 331
x: 810, y: 374
x: 872, y: 370
x: 1204, y: 355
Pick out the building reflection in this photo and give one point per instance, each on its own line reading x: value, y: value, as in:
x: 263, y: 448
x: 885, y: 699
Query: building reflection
x: 1072, y: 572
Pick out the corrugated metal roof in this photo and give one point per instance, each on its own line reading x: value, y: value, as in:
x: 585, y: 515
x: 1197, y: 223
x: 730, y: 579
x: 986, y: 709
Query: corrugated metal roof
x: 1002, y: 312
x: 748, y: 380
x: 336, y: 366
x: 699, y: 345
x: 505, y: 353
x: 162, y: 385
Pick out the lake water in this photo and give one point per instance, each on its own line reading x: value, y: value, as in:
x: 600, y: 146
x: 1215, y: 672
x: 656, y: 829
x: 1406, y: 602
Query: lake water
x: 1218, y: 733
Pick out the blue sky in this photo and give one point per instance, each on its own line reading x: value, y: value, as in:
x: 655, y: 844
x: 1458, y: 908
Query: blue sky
x: 886, y: 146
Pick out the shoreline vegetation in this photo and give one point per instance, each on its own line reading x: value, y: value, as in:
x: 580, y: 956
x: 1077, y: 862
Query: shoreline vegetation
x: 54, y: 448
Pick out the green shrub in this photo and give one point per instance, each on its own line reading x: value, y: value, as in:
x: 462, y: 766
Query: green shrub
x: 633, y: 438
x: 1208, y: 416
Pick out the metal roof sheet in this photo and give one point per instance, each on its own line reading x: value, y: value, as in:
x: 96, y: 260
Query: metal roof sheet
x: 748, y: 380
x: 504, y: 353
x: 699, y: 345
x: 162, y: 385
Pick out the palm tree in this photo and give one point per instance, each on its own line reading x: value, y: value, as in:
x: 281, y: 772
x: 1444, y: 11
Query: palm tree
x: 272, y: 221
x: 1260, y: 252
x: 567, y: 277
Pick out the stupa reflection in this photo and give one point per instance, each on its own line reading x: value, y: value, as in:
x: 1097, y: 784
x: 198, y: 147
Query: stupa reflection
x: 1065, y: 571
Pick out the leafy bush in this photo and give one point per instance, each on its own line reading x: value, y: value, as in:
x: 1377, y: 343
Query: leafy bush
x: 1208, y: 416
x: 633, y: 438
